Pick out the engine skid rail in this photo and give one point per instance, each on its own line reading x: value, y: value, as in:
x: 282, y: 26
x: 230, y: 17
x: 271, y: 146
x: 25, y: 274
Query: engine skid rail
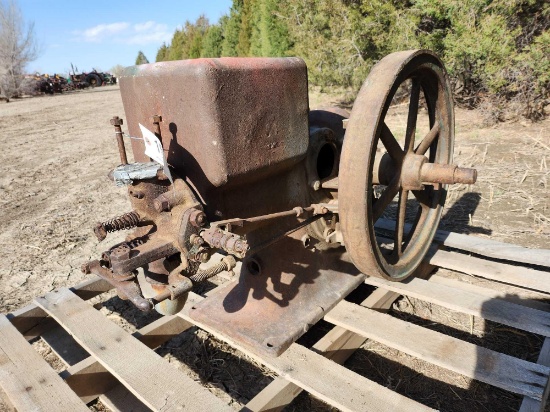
x: 123, y: 370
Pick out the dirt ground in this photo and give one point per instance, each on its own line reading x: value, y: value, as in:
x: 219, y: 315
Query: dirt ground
x: 55, y: 155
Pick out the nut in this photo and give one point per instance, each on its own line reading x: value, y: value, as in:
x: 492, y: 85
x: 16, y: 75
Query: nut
x: 100, y: 232
x: 198, y: 218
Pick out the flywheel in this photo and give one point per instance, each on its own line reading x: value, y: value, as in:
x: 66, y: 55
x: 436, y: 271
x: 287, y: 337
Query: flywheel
x: 393, y: 169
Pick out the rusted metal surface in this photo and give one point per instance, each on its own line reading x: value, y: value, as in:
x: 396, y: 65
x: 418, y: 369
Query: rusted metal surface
x: 403, y: 169
x: 226, y: 241
x: 215, y: 110
x: 126, y: 284
x: 281, y: 292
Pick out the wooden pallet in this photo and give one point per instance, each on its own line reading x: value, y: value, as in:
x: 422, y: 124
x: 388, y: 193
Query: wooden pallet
x: 121, y: 369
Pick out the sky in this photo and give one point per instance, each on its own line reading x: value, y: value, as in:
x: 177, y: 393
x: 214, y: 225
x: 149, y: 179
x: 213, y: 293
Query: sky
x: 101, y: 34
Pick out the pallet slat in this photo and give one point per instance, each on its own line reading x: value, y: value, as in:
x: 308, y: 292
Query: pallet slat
x: 507, y: 313
x: 27, y: 379
x: 537, y: 405
x: 28, y: 320
x: 120, y: 399
x: 492, y: 293
x: 149, y: 377
x: 328, y: 381
x: 519, y: 276
x: 485, y: 247
x: 89, y: 379
x: 497, y: 369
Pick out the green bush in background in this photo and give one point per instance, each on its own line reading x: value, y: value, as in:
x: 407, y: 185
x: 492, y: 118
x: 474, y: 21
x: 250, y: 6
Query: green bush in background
x: 495, y: 51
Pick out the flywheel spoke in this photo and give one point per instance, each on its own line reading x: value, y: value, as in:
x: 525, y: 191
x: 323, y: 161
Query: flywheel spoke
x: 428, y: 140
x: 424, y: 197
x: 413, y: 114
x: 390, y: 143
x: 418, y: 221
x: 400, y: 222
x: 385, y: 199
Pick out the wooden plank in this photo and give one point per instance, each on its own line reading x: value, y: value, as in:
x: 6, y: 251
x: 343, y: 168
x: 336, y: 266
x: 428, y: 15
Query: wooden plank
x: 501, y: 272
x: 120, y: 399
x: 507, y: 313
x: 89, y: 379
x: 148, y: 376
x: 529, y: 404
x: 485, y: 247
x: 515, y: 297
x: 497, y: 369
x: 27, y: 379
x: 28, y: 320
x: 328, y: 381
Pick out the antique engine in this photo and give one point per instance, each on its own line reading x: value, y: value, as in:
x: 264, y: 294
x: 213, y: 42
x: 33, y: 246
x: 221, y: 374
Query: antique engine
x: 231, y: 165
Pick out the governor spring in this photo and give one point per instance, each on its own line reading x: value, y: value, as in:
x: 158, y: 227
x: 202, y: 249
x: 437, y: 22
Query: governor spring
x: 125, y: 221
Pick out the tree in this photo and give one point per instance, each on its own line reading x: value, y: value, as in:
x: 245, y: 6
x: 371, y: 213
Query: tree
x: 162, y: 53
x: 141, y: 59
x: 212, y: 41
x: 17, y: 48
x: 269, y: 36
x: 231, y: 30
x: 117, y: 70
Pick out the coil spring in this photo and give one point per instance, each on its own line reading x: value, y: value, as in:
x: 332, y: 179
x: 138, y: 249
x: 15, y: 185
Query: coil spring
x: 228, y: 263
x: 125, y: 221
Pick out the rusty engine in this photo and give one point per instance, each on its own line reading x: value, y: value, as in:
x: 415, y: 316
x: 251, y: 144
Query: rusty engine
x: 234, y: 173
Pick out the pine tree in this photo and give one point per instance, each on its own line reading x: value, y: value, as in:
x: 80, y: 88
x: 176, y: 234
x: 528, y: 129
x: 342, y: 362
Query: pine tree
x: 245, y: 30
x: 212, y: 41
x: 269, y: 35
x: 232, y: 29
x: 162, y: 53
x: 141, y: 59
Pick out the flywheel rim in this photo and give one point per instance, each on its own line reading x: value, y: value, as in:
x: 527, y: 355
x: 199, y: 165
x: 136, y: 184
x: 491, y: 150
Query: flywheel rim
x: 365, y: 128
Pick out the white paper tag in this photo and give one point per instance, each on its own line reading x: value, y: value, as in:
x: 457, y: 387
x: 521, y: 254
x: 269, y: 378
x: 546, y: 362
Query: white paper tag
x: 153, y: 149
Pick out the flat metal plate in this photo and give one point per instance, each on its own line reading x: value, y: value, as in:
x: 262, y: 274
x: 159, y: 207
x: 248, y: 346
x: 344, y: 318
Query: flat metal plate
x: 267, y: 312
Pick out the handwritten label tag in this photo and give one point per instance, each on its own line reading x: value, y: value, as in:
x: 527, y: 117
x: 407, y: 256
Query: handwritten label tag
x: 153, y: 149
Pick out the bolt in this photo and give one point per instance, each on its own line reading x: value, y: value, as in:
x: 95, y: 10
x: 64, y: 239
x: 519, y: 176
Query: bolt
x: 161, y: 205
x: 86, y: 268
x: 117, y: 121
